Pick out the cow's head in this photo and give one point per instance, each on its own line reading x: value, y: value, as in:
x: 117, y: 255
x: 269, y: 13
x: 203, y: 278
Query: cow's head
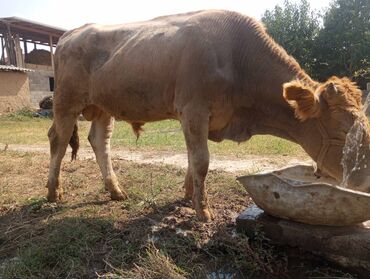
x: 335, y: 109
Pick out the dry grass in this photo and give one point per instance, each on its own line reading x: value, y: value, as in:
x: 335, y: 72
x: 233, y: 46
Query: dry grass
x: 88, y: 235
x: 153, y: 265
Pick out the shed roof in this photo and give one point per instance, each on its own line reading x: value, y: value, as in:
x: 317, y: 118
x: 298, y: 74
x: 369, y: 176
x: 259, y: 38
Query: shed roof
x: 31, y: 30
x: 7, y: 68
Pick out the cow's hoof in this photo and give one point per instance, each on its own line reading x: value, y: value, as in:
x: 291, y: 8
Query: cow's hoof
x: 205, y: 215
x: 188, y: 196
x: 54, y: 196
x: 118, y: 196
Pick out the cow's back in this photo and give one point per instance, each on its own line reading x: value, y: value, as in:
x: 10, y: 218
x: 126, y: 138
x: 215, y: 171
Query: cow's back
x: 138, y: 71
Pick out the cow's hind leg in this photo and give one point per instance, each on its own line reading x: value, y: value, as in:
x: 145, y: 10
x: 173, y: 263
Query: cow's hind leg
x: 195, y: 129
x: 59, y: 135
x: 99, y: 138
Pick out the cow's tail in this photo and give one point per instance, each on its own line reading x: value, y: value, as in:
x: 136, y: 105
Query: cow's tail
x: 137, y: 128
x: 74, y: 142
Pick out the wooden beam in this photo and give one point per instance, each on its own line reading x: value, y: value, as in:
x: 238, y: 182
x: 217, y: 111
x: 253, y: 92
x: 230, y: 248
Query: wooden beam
x: 25, y: 51
x: 33, y: 36
x: 2, y: 58
x: 51, y: 51
x: 18, y: 28
x: 18, y: 51
x: 9, y: 45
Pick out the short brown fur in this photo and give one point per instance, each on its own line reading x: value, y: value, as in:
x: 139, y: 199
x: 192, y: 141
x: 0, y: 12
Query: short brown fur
x: 217, y: 72
x: 302, y: 99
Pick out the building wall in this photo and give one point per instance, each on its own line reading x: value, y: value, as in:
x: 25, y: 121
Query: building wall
x: 39, y: 82
x: 14, y: 91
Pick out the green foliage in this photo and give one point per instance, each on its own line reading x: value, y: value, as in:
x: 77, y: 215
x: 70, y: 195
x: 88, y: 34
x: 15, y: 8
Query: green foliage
x: 295, y: 27
x: 362, y: 76
x: 340, y: 46
x: 343, y: 44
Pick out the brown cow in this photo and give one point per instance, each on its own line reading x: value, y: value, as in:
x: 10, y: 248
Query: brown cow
x: 217, y: 72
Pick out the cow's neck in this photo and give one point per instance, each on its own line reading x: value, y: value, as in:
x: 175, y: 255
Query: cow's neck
x: 282, y: 123
x: 278, y: 117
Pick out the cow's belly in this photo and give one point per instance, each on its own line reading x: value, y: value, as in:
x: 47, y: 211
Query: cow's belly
x: 135, y: 101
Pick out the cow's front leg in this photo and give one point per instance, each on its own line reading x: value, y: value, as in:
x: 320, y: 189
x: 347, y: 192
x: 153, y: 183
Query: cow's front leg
x: 188, y: 183
x: 195, y: 127
x: 99, y: 137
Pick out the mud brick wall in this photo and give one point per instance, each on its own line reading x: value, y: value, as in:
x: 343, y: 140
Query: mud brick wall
x: 14, y: 91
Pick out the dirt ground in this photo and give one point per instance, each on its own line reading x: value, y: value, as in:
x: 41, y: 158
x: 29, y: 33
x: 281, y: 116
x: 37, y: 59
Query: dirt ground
x: 153, y: 234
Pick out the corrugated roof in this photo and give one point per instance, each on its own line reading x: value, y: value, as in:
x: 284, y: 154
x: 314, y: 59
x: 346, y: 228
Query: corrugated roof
x: 38, y: 26
x: 32, y: 30
x: 7, y: 68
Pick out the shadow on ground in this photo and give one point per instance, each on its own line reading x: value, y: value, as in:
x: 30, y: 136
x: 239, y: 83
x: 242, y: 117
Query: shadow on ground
x: 45, y: 240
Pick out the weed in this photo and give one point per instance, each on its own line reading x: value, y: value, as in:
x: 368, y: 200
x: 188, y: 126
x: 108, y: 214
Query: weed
x: 20, y: 115
x: 153, y: 265
x: 35, y: 203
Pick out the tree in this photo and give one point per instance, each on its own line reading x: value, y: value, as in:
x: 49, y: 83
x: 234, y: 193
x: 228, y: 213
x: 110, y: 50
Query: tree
x: 343, y: 44
x: 294, y: 27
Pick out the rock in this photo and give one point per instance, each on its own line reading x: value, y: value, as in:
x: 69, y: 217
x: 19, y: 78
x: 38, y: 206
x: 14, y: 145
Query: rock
x: 347, y: 246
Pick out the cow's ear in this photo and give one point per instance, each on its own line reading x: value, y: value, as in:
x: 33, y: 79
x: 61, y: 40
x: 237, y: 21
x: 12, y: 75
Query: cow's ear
x: 302, y: 99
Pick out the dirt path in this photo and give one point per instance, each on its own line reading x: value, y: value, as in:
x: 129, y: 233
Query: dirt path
x: 249, y: 163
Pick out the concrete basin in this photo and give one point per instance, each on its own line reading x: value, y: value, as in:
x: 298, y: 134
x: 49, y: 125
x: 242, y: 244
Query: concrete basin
x: 296, y: 194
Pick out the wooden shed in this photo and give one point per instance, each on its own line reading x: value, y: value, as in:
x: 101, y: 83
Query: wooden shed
x: 30, y: 45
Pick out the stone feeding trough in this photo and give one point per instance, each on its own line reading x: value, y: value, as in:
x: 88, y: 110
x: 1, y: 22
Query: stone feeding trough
x: 296, y: 194
x: 297, y: 209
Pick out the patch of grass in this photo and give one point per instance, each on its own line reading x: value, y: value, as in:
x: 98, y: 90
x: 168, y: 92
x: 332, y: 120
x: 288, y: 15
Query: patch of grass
x: 31, y: 131
x: 164, y: 135
x: 36, y: 203
x: 153, y: 265
x: 63, y: 250
x: 23, y: 114
x: 167, y: 135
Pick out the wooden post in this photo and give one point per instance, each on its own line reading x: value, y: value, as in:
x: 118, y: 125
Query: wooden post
x: 51, y: 51
x: 9, y: 45
x: 2, y: 58
x: 25, y: 50
x: 18, y: 51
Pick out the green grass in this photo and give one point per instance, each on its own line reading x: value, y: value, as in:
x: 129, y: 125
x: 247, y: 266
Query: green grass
x: 22, y: 114
x: 163, y: 135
